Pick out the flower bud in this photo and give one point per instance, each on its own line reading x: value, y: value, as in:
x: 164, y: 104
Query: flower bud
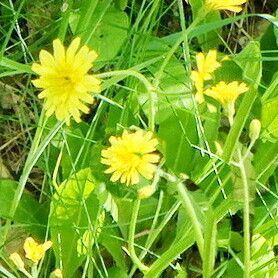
x: 16, y: 259
x: 254, y: 129
x: 146, y: 192
x: 57, y: 273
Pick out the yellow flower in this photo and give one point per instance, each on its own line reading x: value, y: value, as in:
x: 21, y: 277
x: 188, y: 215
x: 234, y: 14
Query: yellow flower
x: 130, y: 156
x: 16, y: 259
x: 206, y: 65
x: 65, y: 80
x: 226, y: 94
x: 35, y: 251
x: 231, y: 5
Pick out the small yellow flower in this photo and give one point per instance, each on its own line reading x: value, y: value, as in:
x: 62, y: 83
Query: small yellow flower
x: 226, y: 94
x: 35, y: 251
x: 130, y: 156
x: 206, y: 65
x: 16, y: 259
x: 65, y: 80
x: 230, y: 5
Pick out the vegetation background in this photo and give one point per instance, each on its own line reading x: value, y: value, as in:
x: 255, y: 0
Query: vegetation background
x: 139, y: 35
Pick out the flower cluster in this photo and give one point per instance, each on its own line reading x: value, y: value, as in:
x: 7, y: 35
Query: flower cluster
x: 206, y: 65
x: 225, y: 93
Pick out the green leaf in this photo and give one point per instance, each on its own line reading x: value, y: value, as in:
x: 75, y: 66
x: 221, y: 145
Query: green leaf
x: 250, y: 60
x: 110, y: 238
x: 209, y: 39
x: 265, y: 160
x: 106, y: 25
x: 73, y: 209
x: 121, y: 4
x: 115, y: 272
x: 270, y: 120
x: 29, y: 211
x: 177, y: 133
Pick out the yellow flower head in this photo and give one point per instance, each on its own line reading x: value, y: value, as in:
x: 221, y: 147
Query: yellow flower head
x: 130, y: 156
x: 226, y: 94
x: 65, y: 80
x: 206, y: 65
x: 230, y: 5
x: 35, y: 251
x: 16, y: 259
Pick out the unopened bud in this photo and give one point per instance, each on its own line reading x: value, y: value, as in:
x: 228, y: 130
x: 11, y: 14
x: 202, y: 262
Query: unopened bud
x: 254, y: 129
x: 219, y: 149
x: 146, y: 192
x: 57, y: 273
x: 16, y: 259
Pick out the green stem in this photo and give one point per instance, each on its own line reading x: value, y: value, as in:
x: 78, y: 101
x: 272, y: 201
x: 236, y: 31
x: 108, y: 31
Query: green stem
x: 246, y: 219
x: 209, y: 244
x: 178, y: 247
x: 239, y: 122
x: 147, y: 84
x: 131, y: 235
x: 183, y: 38
x: 155, y: 232
x: 187, y: 204
x: 33, y: 156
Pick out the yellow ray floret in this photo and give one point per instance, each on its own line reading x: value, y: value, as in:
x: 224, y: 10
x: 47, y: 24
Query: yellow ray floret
x: 35, y: 251
x: 130, y: 156
x: 65, y: 81
x: 206, y: 65
x: 226, y: 94
x: 230, y: 5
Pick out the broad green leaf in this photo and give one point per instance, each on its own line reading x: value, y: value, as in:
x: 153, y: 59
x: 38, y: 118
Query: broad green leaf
x: 73, y: 209
x: 269, y: 45
x: 110, y: 238
x: 29, y: 213
x: 121, y: 4
x: 265, y: 160
x: 270, y: 120
x: 250, y: 60
x: 177, y: 133
x: 112, y: 31
x: 106, y: 25
x: 115, y: 272
x: 174, y: 84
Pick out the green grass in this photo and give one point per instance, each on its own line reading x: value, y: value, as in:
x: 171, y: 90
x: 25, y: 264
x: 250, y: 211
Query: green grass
x: 214, y: 210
